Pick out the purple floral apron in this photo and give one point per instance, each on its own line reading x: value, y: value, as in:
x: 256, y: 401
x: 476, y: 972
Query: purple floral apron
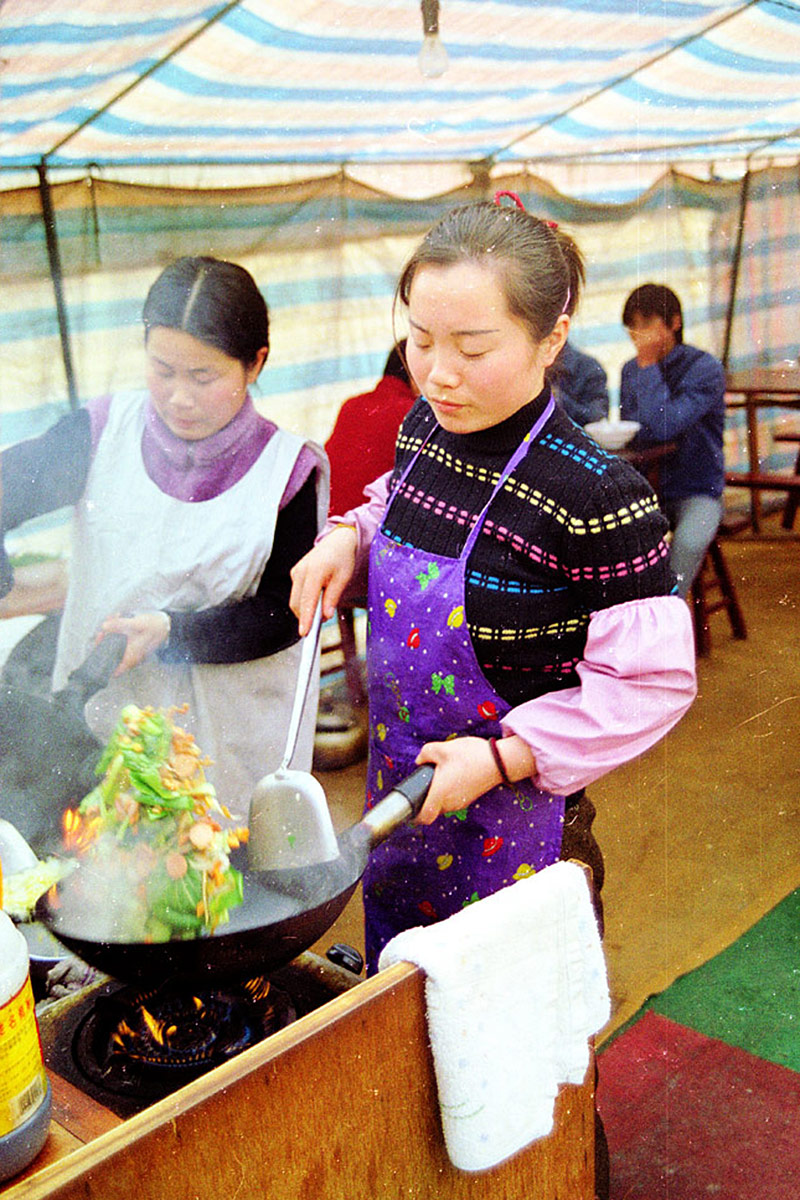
x: 425, y: 685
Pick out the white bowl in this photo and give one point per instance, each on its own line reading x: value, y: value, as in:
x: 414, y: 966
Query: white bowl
x: 612, y: 435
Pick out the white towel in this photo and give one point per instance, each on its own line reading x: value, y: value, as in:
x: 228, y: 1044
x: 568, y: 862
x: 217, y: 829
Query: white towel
x: 516, y: 986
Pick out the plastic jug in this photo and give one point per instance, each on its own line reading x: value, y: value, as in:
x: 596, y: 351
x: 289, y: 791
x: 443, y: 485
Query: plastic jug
x: 25, y: 1093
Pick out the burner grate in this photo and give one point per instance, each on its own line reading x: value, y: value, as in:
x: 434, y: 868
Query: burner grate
x: 121, y: 1085
x: 176, y: 1031
x: 143, y: 1044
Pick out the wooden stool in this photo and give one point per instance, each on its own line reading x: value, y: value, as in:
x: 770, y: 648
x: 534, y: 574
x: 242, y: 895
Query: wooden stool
x: 342, y: 653
x: 712, y: 590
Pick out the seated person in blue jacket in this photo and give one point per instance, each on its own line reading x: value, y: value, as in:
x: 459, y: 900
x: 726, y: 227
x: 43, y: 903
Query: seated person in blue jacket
x: 578, y: 382
x: 580, y: 385
x: 677, y: 393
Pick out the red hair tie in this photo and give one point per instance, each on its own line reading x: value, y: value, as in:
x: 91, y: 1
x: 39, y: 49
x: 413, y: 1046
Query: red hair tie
x: 498, y: 196
x: 551, y: 224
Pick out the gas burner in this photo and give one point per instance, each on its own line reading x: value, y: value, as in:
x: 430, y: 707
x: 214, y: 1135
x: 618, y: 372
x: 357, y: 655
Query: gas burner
x: 136, y: 1043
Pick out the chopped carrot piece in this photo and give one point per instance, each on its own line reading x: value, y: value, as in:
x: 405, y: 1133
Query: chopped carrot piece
x: 184, y: 765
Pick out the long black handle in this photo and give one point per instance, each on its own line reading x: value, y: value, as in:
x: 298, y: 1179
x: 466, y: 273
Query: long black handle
x: 415, y: 787
x: 95, y: 671
x: 399, y: 805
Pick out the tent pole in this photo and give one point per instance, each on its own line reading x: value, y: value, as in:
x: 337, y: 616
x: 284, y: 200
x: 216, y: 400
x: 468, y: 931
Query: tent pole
x: 57, y: 277
x: 737, y: 259
x: 212, y: 20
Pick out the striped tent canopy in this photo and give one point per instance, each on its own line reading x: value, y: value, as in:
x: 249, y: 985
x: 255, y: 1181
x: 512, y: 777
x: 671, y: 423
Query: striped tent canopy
x: 302, y: 139
x: 302, y: 82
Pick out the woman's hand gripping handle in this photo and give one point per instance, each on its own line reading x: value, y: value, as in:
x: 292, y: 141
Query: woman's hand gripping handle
x: 326, y: 570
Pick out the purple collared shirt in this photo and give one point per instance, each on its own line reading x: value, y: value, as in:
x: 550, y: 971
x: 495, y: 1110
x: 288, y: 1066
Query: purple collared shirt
x: 201, y: 470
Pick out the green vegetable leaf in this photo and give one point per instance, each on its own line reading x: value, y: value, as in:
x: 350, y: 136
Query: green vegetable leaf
x: 174, y: 901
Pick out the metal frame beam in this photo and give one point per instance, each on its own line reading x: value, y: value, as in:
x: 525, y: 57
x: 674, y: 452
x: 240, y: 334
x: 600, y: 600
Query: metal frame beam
x: 57, y: 277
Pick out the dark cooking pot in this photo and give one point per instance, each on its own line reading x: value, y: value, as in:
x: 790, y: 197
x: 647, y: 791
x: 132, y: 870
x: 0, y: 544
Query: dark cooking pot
x: 47, y: 761
x: 283, y: 913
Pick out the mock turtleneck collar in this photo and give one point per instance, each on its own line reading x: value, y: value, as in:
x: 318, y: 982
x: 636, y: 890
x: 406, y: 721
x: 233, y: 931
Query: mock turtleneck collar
x: 182, y: 455
x: 508, y: 434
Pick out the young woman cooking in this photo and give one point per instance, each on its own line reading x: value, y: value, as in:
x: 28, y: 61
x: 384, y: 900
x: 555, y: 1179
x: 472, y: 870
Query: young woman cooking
x: 523, y: 632
x: 190, y: 509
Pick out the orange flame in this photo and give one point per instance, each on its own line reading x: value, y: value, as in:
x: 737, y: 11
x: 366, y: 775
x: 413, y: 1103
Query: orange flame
x: 160, y: 1031
x: 258, y: 988
x: 122, y: 1032
x: 78, y: 832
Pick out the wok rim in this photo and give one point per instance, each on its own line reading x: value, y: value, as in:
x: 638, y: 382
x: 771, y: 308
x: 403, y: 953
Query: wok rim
x: 277, y: 942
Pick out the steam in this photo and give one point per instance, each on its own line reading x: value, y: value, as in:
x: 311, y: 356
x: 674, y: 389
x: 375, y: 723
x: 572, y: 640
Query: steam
x: 103, y: 900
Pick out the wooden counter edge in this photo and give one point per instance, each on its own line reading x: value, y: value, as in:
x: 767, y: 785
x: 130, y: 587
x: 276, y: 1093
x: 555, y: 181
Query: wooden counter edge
x: 306, y: 1069
x: 75, y: 1157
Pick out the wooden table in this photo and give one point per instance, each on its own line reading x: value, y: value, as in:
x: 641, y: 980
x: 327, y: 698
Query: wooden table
x: 762, y: 387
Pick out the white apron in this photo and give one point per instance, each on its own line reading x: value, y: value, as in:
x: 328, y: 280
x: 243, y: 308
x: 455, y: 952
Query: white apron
x: 136, y: 548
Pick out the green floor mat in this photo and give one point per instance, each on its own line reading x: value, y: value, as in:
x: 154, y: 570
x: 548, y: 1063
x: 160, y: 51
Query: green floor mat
x: 749, y: 995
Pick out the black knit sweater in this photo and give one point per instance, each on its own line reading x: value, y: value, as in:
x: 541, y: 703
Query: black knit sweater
x: 574, y: 530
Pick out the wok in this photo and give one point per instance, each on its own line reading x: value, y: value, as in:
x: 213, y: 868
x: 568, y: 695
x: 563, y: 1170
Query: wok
x: 47, y: 760
x: 283, y: 912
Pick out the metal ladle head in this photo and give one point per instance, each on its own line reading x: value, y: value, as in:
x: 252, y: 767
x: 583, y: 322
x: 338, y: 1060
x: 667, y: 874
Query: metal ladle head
x: 290, y: 822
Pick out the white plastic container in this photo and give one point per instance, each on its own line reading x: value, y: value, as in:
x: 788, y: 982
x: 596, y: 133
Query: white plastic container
x: 25, y: 1094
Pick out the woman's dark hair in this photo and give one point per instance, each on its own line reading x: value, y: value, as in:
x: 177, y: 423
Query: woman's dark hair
x: 215, y: 301
x: 654, y: 300
x: 396, y: 363
x: 539, y: 267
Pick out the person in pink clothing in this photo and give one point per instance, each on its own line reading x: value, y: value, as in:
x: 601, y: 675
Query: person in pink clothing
x: 524, y: 633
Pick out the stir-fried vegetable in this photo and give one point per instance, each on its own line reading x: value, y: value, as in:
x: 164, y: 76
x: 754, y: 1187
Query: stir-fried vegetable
x: 155, y: 815
x: 22, y: 889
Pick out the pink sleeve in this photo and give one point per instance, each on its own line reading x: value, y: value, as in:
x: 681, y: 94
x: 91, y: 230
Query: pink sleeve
x: 637, y: 680
x: 366, y: 520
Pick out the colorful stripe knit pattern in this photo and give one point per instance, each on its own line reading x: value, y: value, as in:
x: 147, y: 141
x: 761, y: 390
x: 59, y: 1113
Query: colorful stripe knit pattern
x: 574, y: 530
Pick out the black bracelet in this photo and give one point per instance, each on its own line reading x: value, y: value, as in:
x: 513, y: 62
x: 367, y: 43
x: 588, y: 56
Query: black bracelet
x: 498, y: 760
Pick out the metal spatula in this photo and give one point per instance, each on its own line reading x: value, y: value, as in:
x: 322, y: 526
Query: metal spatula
x: 290, y: 823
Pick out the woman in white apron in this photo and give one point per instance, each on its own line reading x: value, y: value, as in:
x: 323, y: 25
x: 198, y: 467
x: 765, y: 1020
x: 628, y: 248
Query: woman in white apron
x: 190, y: 509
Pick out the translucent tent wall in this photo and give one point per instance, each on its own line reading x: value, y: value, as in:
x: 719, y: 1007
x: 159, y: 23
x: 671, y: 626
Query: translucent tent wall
x: 326, y: 254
